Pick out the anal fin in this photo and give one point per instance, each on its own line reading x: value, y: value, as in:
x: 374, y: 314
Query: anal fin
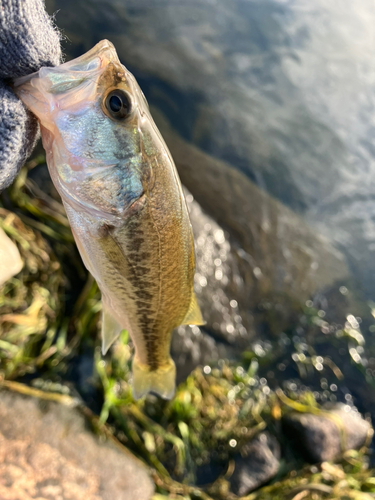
x: 110, y: 328
x: 194, y: 315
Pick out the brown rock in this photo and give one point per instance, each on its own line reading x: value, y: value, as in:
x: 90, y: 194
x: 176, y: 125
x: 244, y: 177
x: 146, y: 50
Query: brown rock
x: 46, y: 453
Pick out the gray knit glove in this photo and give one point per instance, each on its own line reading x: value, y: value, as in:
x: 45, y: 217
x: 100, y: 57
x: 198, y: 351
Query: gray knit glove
x: 28, y: 41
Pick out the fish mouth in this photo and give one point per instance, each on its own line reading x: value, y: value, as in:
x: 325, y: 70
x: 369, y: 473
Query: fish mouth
x: 56, y: 88
x: 61, y: 78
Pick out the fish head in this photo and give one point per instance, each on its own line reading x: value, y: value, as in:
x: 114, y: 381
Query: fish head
x: 96, y: 129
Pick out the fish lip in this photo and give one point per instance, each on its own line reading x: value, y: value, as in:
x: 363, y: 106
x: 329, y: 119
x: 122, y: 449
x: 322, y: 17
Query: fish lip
x: 104, y: 50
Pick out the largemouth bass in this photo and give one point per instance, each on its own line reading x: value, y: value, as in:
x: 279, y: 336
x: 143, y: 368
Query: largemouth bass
x: 124, y: 201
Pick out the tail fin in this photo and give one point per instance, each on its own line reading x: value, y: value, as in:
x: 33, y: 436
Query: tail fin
x: 161, y: 381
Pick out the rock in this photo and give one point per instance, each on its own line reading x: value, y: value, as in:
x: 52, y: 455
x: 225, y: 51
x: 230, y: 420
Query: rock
x: 218, y: 283
x: 247, y: 282
x: 192, y: 347
x: 10, y: 259
x: 320, y: 437
x: 258, y: 464
x: 47, y: 453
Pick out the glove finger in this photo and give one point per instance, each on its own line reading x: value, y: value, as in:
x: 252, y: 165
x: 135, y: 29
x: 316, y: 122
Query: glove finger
x: 28, y: 39
x: 19, y: 132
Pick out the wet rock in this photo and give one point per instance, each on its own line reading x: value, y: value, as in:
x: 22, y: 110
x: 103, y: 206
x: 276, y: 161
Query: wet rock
x: 46, y: 452
x: 274, y: 251
x: 193, y: 346
x: 258, y: 464
x: 218, y: 282
x: 245, y: 281
x: 325, y: 437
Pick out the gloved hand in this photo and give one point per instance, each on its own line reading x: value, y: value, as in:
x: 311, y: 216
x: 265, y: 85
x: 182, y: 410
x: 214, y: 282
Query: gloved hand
x: 28, y: 41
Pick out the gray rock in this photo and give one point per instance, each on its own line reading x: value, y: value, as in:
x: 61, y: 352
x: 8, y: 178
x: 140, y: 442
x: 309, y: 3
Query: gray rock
x: 218, y: 280
x: 46, y: 452
x: 193, y: 346
x: 258, y: 464
x: 325, y: 437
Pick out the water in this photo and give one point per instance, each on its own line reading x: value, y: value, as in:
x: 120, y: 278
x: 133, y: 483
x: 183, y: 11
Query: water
x: 268, y: 108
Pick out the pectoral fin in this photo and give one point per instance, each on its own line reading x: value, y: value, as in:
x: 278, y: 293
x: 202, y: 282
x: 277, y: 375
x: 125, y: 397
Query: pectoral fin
x: 194, y: 315
x: 83, y: 253
x: 110, y: 329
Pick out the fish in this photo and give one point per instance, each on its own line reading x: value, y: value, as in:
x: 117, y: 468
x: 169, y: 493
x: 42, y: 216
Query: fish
x: 125, y: 204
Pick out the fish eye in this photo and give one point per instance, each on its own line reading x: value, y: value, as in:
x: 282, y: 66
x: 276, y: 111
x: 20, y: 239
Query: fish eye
x: 118, y: 104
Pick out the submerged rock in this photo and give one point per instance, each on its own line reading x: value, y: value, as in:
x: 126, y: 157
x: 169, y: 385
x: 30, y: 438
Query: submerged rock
x: 326, y: 436
x: 46, y: 452
x: 258, y: 464
x: 275, y: 252
x: 219, y: 287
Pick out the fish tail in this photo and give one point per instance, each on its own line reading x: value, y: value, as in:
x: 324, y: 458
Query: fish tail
x: 161, y: 381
